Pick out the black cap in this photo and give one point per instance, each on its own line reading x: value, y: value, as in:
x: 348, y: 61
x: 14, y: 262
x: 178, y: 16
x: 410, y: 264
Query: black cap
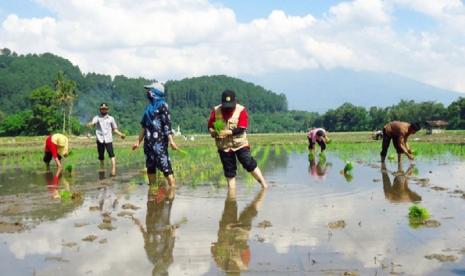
x: 104, y: 106
x: 228, y: 99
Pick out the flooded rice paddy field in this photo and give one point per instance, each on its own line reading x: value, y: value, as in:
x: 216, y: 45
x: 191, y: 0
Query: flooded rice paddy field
x: 313, y: 220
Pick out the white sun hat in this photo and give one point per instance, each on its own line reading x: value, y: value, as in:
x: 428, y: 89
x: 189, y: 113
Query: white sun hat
x: 156, y: 85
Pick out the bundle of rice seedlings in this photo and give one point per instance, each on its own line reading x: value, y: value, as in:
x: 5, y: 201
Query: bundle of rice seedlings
x: 348, y: 167
x: 322, y: 157
x: 218, y: 125
x: 69, y: 168
x: 65, y: 195
x: 311, y: 156
x: 417, y: 213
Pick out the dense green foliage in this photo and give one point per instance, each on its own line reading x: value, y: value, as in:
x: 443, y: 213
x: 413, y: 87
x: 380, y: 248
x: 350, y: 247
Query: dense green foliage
x: 28, y: 105
x: 348, y: 117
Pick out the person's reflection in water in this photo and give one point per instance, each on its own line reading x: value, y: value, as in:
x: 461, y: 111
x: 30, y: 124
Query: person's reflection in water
x: 318, y: 170
x: 159, y: 234
x: 399, y: 190
x: 231, y: 252
x: 101, y: 174
x: 52, y: 181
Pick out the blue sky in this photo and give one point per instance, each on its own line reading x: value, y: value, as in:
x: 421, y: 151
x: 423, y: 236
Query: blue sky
x: 248, y: 10
x: 22, y: 8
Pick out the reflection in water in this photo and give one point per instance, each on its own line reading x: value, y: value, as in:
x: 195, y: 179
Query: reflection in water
x: 318, y: 170
x: 101, y: 175
x: 399, y: 190
x: 52, y: 182
x: 107, y: 201
x: 159, y: 234
x: 231, y: 252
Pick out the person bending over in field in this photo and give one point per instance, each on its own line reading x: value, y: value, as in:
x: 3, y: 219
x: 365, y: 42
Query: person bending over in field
x: 398, y: 132
x: 156, y: 133
x: 105, y: 126
x: 228, y: 124
x: 56, y: 147
x: 317, y: 135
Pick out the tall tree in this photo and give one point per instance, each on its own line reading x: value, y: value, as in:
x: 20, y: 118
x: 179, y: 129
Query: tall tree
x: 66, y: 95
x: 456, y: 114
x: 45, y: 115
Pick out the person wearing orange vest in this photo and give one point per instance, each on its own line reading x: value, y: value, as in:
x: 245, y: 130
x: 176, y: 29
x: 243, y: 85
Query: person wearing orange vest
x: 231, y: 141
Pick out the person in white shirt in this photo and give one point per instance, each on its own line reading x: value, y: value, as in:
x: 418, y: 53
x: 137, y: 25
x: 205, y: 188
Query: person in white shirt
x: 105, y: 126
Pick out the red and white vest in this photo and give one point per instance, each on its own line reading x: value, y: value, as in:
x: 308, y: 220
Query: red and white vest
x: 235, y: 142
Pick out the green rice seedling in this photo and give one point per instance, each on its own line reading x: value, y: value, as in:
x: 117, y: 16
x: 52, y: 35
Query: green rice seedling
x: 417, y: 212
x: 322, y: 163
x: 329, y: 141
x: 265, y: 155
x: 417, y: 215
x: 311, y: 156
x: 294, y: 147
x: 391, y: 157
x: 301, y: 149
x: 65, y: 195
x: 256, y: 150
x: 348, y: 167
x: 348, y: 176
x: 218, y: 125
x: 69, y: 168
x: 277, y: 150
x: 288, y: 149
x: 322, y: 157
x: 183, y: 152
x: 347, y: 171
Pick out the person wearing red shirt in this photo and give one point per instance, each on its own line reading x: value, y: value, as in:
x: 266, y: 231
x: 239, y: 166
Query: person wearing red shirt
x: 56, y: 147
x: 228, y: 125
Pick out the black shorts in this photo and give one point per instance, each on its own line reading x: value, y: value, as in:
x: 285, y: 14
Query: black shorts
x: 228, y: 159
x: 159, y: 161
x: 101, y: 150
x: 48, y: 157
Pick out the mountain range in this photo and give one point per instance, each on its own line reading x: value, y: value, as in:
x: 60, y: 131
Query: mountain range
x: 319, y: 90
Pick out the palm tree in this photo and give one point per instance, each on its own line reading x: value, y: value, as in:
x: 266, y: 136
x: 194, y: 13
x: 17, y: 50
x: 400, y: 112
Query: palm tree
x: 71, y: 97
x: 66, y: 95
x: 61, y: 94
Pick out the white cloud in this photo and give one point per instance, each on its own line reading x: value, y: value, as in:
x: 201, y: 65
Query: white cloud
x: 184, y: 38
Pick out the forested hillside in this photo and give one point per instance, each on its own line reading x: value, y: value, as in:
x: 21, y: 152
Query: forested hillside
x: 190, y: 100
x: 38, y: 93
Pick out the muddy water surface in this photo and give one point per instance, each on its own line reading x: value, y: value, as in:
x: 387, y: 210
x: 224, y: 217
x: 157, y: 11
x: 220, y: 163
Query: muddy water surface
x: 311, y: 221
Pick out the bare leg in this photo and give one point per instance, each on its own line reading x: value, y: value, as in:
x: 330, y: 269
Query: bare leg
x: 231, y: 193
x: 257, y: 174
x: 113, y: 166
x: 152, y: 178
x: 102, y: 164
x: 47, y: 166
x: 171, y: 180
x: 385, y: 147
x: 231, y: 182
x: 258, y: 201
x: 399, y: 158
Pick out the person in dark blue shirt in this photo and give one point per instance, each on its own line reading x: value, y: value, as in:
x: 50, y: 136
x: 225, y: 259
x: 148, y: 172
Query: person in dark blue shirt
x: 156, y: 133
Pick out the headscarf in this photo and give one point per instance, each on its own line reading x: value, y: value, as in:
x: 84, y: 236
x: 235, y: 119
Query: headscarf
x: 156, y: 96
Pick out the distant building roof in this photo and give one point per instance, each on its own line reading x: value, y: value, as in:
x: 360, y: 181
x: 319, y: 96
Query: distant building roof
x: 438, y: 123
